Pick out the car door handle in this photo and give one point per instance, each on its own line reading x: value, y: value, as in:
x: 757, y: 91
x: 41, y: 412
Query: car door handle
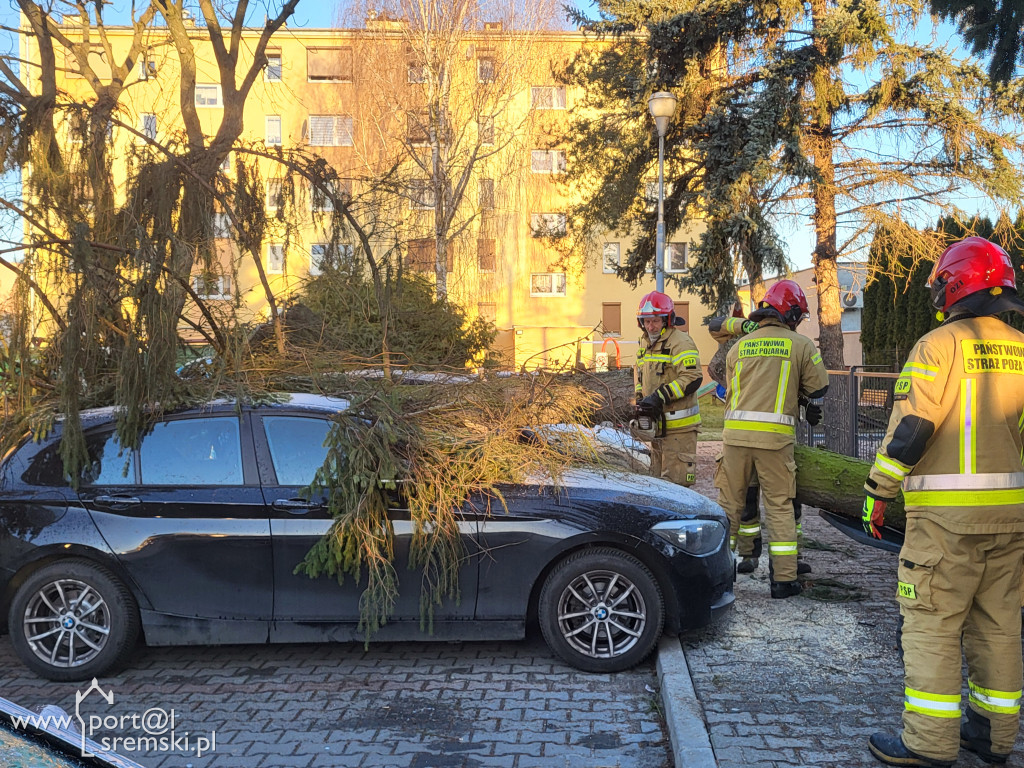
x: 117, y: 501
x: 296, y: 506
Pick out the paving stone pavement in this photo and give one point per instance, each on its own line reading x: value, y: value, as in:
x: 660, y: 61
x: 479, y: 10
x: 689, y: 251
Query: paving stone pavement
x: 408, y: 705
x: 803, y: 682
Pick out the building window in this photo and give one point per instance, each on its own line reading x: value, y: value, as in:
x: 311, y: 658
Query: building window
x: 211, y: 286
x: 273, y: 131
x: 548, y: 224
x: 319, y: 259
x: 272, y: 74
x: 485, y: 128
x: 421, y: 254
x: 322, y: 201
x: 329, y: 64
x: 221, y: 224
x: 651, y: 195
x: 421, y: 194
x: 485, y: 260
x: 676, y: 257
x: 547, y: 97
x: 488, y: 311
x: 417, y: 72
x: 547, y: 161
x: 486, y: 194
x: 485, y: 69
x: 275, y: 194
x: 208, y: 96
x: 611, y: 257
x: 149, y: 126
x: 611, y: 318
x: 147, y: 68
x: 417, y: 127
x: 330, y: 131
x: 547, y: 284
x: 275, y: 259
x: 322, y: 256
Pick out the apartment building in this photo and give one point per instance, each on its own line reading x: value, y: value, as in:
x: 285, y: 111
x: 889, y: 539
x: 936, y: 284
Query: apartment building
x: 364, y: 99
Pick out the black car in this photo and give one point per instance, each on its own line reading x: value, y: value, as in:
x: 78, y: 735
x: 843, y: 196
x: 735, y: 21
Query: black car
x: 193, y: 539
x: 50, y: 739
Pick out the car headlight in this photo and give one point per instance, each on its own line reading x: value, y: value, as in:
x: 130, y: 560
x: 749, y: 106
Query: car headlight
x: 698, y: 537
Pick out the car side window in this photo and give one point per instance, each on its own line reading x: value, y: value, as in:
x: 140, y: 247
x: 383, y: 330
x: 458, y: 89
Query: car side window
x: 204, y: 451
x: 296, y: 447
x: 109, y: 463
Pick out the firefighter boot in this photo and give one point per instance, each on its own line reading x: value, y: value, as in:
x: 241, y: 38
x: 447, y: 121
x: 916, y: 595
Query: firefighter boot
x: 747, y: 565
x: 892, y: 751
x: 976, y: 735
x: 783, y: 589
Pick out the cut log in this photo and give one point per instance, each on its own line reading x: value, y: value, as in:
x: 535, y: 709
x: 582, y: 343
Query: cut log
x: 834, y: 482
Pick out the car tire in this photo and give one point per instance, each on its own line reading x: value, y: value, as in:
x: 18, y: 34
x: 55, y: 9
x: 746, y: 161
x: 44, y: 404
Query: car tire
x: 73, y: 620
x: 601, y: 610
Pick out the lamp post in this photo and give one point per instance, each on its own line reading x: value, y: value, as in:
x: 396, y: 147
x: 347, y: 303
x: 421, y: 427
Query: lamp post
x: 662, y: 106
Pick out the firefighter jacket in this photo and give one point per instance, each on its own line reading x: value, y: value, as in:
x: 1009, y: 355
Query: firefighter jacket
x: 725, y: 329
x: 672, y: 361
x: 767, y: 372
x: 954, y: 437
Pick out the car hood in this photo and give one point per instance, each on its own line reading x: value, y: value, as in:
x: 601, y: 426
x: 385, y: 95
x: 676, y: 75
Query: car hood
x: 630, y: 488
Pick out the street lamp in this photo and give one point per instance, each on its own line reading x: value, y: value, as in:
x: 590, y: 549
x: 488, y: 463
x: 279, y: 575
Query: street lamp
x: 663, y: 107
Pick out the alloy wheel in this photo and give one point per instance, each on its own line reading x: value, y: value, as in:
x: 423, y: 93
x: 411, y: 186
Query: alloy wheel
x: 602, y: 614
x: 66, y: 623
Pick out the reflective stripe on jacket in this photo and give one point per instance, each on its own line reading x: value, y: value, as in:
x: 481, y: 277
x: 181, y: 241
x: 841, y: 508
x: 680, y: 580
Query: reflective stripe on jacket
x: 966, y: 378
x: 768, y: 371
x: 673, y: 360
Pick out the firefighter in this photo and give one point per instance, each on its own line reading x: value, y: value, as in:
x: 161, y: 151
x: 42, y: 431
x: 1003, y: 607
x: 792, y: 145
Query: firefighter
x: 749, y: 543
x: 954, y: 444
x: 668, y: 375
x: 769, y: 371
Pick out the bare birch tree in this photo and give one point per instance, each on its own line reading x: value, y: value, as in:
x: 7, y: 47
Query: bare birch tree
x: 446, y: 89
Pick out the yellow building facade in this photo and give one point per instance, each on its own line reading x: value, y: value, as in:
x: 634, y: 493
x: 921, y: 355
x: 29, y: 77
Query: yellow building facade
x: 354, y: 96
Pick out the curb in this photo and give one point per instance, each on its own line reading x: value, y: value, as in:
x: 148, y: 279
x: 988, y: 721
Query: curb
x: 691, y: 745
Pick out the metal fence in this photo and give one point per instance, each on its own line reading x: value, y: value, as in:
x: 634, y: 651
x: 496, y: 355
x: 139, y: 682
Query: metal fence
x: 856, y: 412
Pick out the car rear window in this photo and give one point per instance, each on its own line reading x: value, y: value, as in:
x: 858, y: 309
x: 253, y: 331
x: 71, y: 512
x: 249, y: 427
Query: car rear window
x: 205, y: 451
x: 109, y: 463
x: 296, y: 447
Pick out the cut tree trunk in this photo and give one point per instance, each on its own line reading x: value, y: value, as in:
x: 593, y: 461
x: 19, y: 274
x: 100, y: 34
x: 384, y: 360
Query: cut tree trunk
x: 835, y: 483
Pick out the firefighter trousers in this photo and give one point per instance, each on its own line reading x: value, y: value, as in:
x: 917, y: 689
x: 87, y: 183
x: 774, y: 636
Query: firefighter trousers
x: 776, y: 473
x: 674, y: 457
x: 954, y: 585
x: 748, y: 543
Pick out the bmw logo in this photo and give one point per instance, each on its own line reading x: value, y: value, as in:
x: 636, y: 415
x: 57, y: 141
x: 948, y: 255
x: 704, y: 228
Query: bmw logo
x: 601, y: 613
x: 68, y: 622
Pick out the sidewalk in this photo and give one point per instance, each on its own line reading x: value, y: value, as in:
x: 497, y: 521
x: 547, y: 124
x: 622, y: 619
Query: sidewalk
x: 804, y: 681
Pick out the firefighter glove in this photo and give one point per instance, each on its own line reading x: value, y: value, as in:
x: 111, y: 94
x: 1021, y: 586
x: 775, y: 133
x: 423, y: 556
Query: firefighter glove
x: 750, y: 325
x: 652, y: 405
x: 812, y: 412
x: 874, y: 515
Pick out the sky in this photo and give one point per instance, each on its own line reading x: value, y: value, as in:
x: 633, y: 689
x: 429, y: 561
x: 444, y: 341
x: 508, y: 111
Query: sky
x: 794, y: 230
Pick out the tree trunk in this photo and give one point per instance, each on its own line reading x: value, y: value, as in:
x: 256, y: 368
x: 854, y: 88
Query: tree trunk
x: 834, y: 482
x: 823, y: 194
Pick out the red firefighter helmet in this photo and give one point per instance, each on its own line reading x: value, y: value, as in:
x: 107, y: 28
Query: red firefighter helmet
x: 971, y: 265
x: 656, y: 304
x: 788, y: 299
